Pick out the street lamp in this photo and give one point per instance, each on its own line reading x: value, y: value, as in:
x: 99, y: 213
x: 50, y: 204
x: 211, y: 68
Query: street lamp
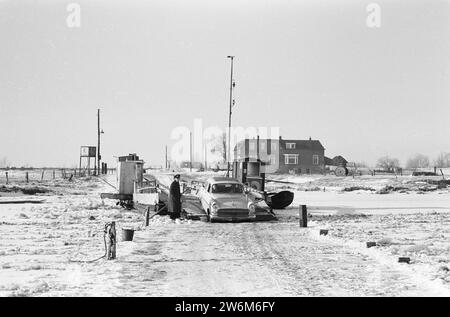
x: 229, y: 116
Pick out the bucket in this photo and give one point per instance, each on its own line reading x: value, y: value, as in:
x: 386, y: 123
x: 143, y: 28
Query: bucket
x: 127, y: 234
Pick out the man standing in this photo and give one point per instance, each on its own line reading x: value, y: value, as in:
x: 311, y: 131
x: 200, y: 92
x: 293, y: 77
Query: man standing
x: 175, y: 198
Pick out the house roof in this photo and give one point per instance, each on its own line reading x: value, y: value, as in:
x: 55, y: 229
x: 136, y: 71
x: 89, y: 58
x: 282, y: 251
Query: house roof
x: 300, y: 144
x: 340, y: 158
x: 335, y: 161
x: 305, y: 144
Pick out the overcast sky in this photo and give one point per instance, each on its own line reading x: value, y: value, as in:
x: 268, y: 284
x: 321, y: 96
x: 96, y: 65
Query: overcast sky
x: 313, y: 68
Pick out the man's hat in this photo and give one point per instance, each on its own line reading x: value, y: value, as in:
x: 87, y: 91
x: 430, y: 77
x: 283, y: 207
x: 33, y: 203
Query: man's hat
x: 177, y: 176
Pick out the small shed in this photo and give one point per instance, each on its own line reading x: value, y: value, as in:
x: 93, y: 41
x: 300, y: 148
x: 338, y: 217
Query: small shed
x: 130, y: 174
x: 251, y: 172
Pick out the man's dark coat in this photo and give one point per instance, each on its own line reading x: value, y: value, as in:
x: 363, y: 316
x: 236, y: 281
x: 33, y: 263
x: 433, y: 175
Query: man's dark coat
x: 175, y: 199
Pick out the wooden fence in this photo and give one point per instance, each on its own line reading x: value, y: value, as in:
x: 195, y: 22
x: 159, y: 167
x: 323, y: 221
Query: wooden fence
x: 19, y: 176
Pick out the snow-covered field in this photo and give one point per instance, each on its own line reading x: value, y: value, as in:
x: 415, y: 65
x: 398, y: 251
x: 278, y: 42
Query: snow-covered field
x: 41, y: 244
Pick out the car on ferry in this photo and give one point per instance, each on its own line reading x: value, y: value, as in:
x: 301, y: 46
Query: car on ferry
x: 225, y: 199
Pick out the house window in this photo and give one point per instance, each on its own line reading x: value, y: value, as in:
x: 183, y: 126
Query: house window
x: 315, y: 159
x: 252, y: 146
x: 271, y: 161
x: 262, y: 145
x: 290, y: 146
x: 290, y: 159
x: 274, y: 146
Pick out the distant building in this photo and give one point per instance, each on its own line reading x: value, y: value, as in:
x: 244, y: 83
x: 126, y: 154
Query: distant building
x: 336, y: 161
x: 284, y: 156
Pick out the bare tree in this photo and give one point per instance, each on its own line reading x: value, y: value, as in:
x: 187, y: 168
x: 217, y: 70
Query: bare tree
x: 358, y: 164
x: 4, y: 162
x: 418, y: 161
x: 218, y: 145
x: 443, y: 160
x: 388, y: 164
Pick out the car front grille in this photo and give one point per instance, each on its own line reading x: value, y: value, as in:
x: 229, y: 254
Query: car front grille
x: 232, y: 213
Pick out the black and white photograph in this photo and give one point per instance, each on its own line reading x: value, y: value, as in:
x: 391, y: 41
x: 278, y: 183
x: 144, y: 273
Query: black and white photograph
x: 214, y: 149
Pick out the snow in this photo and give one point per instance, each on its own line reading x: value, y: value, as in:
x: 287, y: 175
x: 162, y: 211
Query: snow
x: 42, y: 245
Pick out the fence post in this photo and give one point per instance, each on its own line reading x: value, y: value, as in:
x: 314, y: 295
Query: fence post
x: 53, y: 174
x: 26, y: 176
x: 42, y: 176
x: 303, y: 213
x: 147, y: 217
x: 111, y: 241
x: 7, y: 180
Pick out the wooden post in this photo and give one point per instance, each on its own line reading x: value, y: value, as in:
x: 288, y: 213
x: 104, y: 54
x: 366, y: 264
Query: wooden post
x: 7, y: 178
x: 111, y: 241
x: 147, y: 217
x: 42, y: 176
x: 53, y: 174
x: 303, y: 214
x: 26, y: 176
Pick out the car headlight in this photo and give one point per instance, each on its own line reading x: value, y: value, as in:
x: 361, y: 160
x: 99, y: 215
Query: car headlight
x: 251, y: 209
x: 214, y: 208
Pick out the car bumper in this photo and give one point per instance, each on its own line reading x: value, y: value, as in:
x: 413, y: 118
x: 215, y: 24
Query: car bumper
x: 233, y: 215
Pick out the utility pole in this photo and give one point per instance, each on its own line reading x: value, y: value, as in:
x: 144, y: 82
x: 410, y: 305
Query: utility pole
x: 99, y: 158
x: 166, y: 157
x: 206, y: 157
x: 229, y: 116
x: 99, y: 131
x: 190, y: 151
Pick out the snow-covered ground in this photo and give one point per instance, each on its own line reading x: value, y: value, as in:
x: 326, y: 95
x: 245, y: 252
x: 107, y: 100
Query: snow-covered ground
x: 41, y: 244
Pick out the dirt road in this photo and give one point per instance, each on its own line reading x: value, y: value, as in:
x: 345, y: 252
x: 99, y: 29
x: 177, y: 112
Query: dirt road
x: 255, y: 259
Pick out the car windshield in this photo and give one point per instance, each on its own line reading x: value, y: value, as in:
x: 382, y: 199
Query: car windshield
x: 230, y: 188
